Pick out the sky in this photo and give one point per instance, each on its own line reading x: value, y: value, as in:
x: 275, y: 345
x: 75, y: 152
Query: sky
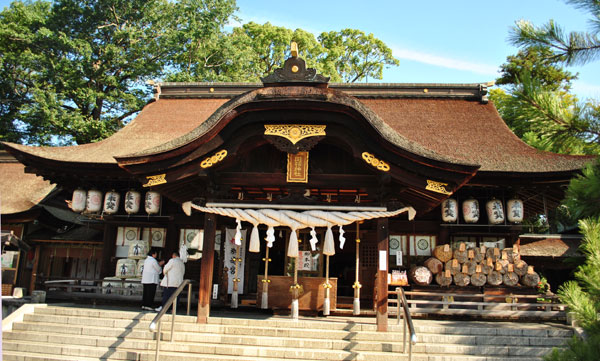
x: 462, y: 41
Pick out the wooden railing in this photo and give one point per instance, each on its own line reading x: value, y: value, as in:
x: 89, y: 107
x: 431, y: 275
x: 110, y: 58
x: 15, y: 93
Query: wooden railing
x: 481, y: 304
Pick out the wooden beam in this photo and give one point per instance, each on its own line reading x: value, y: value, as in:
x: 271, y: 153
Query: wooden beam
x: 206, y: 268
x: 382, y: 270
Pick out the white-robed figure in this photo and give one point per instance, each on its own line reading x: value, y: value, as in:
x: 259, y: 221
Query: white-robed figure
x: 150, y: 278
x: 173, y: 277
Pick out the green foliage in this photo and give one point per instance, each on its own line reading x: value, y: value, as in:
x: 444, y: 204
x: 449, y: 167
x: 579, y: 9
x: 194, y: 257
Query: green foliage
x: 355, y: 55
x: 535, y: 63
x: 75, y: 69
x: 583, y: 195
x: 578, y: 350
x: 572, y: 48
x: 548, y: 119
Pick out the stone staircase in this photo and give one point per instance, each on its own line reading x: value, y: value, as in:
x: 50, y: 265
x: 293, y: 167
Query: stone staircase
x: 80, y: 333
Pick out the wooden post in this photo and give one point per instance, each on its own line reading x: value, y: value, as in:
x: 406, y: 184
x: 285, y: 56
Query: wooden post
x: 34, y: 271
x: 206, y: 268
x: 236, y: 280
x: 265, y: 293
x: 382, y: 271
x: 357, y: 285
x: 108, y: 250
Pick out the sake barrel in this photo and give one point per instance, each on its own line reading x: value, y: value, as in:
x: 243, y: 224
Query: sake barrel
x: 109, y: 284
x: 133, y: 287
x: 138, y: 249
x: 125, y: 268
x: 140, y: 268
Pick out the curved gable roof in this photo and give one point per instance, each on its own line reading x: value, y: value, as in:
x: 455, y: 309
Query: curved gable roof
x: 442, y: 127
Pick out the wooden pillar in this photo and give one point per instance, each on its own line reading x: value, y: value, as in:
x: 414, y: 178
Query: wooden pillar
x: 108, y: 250
x: 382, y: 270
x: 34, y: 271
x: 206, y: 268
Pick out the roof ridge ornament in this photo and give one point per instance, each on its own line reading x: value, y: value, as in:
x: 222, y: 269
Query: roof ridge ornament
x: 294, y: 71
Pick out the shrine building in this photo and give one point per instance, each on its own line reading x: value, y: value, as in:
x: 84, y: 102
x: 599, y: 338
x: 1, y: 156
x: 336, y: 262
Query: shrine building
x: 300, y: 194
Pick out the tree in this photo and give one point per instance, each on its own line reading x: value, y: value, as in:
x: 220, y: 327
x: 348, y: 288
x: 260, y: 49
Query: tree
x: 572, y: 48
x: 537, y: 104
x: 81, y: 64
x: 535, y: 62
x: 354, y: 55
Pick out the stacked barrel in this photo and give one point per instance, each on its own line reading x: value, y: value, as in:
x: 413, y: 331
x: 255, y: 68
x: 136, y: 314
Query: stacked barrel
x: 475, y: 266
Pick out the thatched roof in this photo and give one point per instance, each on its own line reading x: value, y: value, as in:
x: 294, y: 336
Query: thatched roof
x: 550, y: 245
x: 19, y: 191
x: 432, y: 120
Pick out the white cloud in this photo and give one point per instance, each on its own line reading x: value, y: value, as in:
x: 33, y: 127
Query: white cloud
x: 446, y: 62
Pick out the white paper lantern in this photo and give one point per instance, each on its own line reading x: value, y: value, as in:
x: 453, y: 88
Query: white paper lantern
x: 132, y: 202
x: 515, y: 210
x: 449, y: 210
x: 78, y: 200
x: 138, y: 249
x: 152, y: 202
x: 495, y: 211
x: 93, y: 202
x: 471, y: 210
x: 111, y: 202
x: 125, y: 268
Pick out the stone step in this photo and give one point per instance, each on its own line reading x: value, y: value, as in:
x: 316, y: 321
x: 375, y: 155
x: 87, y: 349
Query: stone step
x: 363, y: 341
x: 16, y: 351
x: 66, y: 333
x: 242, y: 345
x: 226, y: 326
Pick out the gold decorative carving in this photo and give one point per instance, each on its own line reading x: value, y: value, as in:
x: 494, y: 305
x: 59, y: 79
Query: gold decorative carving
x: 210, y: 161
x: 379, y: 164
x: 154, y: 180
x: 294, y: 132
x: 437, y: 187
x: 297, y: 167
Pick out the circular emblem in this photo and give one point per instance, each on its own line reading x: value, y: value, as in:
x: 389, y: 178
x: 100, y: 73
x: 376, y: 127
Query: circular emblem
x: 394, y: 243
x: 422, y: 244
x: 130, y: 235
x: 295, y: 133
x: 190, y: 237
x: 156, y: 236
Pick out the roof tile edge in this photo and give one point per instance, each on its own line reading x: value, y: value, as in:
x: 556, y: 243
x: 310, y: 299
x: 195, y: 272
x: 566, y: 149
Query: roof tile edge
x: 474, y: 91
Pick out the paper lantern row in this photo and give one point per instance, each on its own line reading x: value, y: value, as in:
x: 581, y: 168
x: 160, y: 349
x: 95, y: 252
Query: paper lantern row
x: 494, y: 209
x: 91, y: 201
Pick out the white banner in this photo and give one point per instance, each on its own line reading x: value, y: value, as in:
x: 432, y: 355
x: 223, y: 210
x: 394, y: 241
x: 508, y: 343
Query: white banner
x: 229, y: 254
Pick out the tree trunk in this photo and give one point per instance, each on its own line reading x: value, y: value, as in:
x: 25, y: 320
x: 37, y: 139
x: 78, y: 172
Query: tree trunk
x: 442, y: 280
x: 421, y: 275
x: 443, y: 253
x: 494, y: 278
x: 478, y: 279
x: 462, y: 279
x: 453, y: 266
x: 510, y: 279
x: 434, y: 265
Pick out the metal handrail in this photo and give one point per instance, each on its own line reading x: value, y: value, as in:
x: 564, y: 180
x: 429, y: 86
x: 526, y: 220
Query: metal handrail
x: 407, y: 321
x: 155, y: 324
